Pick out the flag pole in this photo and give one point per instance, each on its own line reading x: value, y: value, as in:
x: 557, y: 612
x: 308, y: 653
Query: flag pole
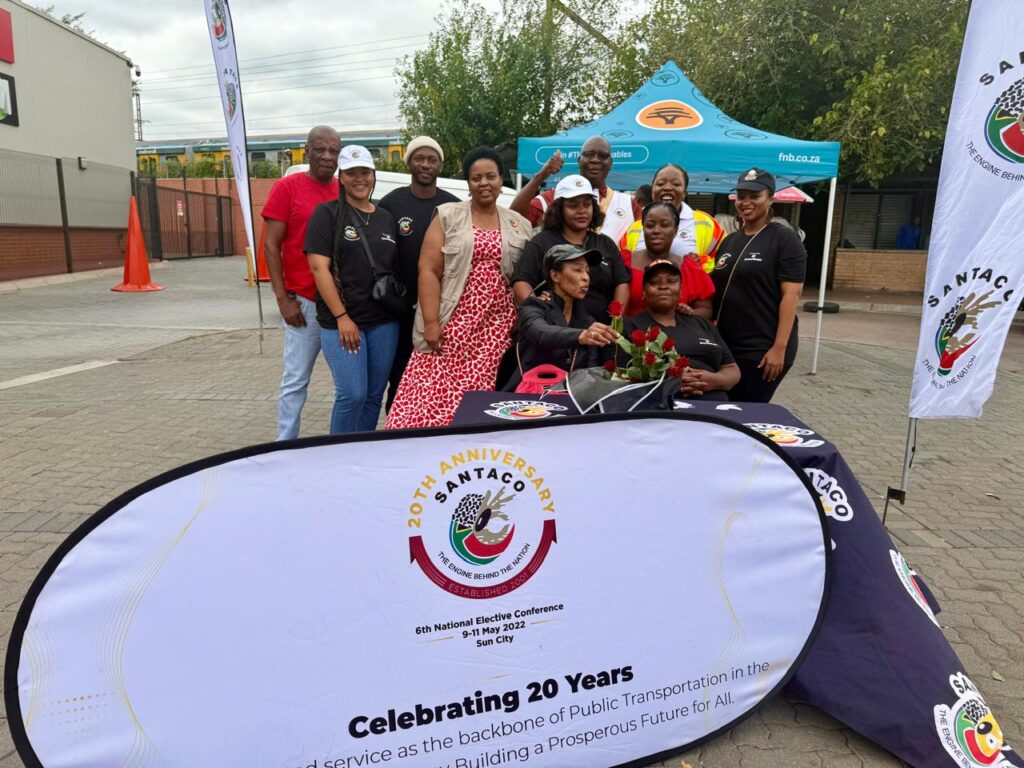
x: 824, y: 273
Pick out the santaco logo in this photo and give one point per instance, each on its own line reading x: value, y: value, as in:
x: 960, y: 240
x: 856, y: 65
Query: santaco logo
x: 669, y: 115
x: 968, y: 729
x: 219, y: 20
x: 482, y: 523
x: 967, y: 299
x: 1003, y: 125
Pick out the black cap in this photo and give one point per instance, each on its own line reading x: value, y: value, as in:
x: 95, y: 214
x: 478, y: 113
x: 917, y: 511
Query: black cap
x: 756, y: 179
x: 559, y: 254
x: 660, y: 265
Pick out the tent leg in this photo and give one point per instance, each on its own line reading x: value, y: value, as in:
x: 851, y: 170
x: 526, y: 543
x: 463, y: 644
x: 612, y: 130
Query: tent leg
x: 824, y: 273
x: 519, y: 181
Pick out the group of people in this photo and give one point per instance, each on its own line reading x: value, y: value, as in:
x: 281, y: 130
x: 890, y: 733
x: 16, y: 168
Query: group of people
x: 422, y: 297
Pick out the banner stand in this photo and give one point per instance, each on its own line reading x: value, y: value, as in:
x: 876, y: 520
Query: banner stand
x: 824, y: 273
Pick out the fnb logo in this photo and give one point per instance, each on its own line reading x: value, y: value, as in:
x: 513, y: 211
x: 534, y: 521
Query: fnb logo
x: 669, y: 115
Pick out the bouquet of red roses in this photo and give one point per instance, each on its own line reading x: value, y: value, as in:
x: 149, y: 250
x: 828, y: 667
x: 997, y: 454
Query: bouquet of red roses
x: 652, y: 354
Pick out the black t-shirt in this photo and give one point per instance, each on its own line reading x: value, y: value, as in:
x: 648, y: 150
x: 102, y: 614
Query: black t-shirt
x: 748, y: 311
x: 352, y: 266
x: 603, y: 280
x: 412, y: 217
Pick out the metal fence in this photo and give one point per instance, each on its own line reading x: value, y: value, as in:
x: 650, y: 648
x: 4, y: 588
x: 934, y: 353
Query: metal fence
x: 65, y: 215
x: 179, y: 224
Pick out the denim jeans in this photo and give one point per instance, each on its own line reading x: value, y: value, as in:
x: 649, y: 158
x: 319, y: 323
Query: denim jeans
x: 301, y: 346
x: 361, y: 377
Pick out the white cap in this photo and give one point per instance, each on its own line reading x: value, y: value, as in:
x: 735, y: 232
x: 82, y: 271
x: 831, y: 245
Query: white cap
x: 355, y: 156
x: 573, y: 185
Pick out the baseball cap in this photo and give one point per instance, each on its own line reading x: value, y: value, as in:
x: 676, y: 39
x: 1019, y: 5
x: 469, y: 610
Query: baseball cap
x: 559, y: 254
x: 755, y: 180
x: 573, y: 185
x: 660, y: 265
x: 355, y: 156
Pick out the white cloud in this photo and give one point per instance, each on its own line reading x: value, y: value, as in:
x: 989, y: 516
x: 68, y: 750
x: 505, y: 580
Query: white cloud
x: 350, y: 48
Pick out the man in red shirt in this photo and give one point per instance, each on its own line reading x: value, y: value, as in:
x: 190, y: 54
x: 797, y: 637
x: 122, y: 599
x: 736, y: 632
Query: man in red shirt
x: 287, y: 213
x: 595, y: 162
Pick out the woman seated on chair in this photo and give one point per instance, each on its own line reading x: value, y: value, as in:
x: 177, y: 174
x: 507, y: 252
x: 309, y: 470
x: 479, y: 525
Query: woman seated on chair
x: 712, y: 370
x: 561, y: 332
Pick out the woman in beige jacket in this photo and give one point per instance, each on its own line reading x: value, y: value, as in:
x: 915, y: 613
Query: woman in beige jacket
x: 466, y: 309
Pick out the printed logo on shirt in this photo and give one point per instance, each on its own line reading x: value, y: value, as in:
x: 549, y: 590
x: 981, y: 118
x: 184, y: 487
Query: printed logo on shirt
x: 350, y: 233
x: 483, y: 522
x: 386, y: 238
x: 968, y: 729
x: 404, y: 226
x: 786, y: 436
x: 723, y: 259
x: 707, y: 342
x: 755, y: 256
x: 908, y: 578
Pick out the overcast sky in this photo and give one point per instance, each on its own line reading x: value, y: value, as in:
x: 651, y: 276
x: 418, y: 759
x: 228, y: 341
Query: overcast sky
x: 349, y: 48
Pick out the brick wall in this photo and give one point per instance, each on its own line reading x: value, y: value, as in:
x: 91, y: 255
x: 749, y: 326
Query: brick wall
x: 897, y: 271
x: 31, y: 252
x: 38, y: 251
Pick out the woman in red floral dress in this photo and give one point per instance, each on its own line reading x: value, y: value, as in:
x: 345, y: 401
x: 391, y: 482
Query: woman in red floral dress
x: 466, y: 310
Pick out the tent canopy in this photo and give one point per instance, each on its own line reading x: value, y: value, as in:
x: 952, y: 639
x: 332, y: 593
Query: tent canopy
x: 669, y: 120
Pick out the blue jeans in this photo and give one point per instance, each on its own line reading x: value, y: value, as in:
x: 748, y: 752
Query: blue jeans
x: 301, y: 346
x: 361, y: 377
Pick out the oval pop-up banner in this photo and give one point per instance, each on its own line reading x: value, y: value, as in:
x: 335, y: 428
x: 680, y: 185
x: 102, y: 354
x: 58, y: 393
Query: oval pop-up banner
x: 596, y: 592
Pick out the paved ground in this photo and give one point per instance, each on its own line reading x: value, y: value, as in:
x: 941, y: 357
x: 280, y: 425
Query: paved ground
x: 190, y: 382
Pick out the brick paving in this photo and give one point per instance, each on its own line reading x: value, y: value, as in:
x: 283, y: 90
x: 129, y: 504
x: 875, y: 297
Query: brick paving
x: 70, y: 444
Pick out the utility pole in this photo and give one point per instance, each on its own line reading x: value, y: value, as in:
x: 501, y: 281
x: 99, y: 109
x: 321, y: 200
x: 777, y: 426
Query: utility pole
x: 549, y: 46
x: 137, y: 96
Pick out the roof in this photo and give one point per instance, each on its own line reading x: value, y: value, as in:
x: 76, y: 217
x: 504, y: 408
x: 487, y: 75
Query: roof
x: 669, y: 120
x: 266, y: 141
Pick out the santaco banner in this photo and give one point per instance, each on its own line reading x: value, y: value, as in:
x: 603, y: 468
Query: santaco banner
x: 975, y: 277
x: 225, y: 57
x: 464, y: 598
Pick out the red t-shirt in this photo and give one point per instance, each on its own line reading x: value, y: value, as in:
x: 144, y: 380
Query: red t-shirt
x: 292, y: 201
x: 536, y: 212
x: 696, y: 284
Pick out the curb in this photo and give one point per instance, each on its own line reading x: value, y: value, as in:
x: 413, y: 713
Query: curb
x: 10, y: 286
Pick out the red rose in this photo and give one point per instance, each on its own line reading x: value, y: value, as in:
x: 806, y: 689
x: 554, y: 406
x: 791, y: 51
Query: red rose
x: 684, y: 361
x: 615, y: 309
x: 668, y: 344
x: 650, y: 358
x: 676, y: 371
x: 609, y: 366
x: 653, y: 333
x: 638, y: 337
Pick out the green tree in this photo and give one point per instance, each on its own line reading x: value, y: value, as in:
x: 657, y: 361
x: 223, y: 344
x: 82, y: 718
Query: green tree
x: 479, y: 80
x: 876, y: 75
x: 264, y: 169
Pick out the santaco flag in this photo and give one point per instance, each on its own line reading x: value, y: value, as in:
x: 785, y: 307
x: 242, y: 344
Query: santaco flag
x: 467, y: 598
x: 975, y: 264
x: 222, y: 38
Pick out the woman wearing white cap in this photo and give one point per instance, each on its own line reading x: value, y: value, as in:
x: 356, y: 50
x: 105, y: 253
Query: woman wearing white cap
x: 465, y: 313
x: 350, y: 244
x: 573, y: 218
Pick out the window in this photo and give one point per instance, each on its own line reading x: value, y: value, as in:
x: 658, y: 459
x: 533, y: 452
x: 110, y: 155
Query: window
x: 872, y: 220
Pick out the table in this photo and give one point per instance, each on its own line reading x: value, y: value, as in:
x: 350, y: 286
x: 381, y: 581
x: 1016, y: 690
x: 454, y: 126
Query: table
x: 880, y: 663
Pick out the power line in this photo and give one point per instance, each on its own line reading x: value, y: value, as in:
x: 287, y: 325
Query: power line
x: 261, y: 78
x: 296, y: 53
x: 280, y: 117
x: 275, y: 90
x: 280, y: 66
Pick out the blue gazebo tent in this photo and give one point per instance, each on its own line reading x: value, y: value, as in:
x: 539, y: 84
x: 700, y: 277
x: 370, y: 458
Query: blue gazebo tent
x: 669, y: 120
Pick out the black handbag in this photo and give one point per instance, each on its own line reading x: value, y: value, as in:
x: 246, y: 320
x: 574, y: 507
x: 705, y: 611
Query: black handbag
x: 388, y: 290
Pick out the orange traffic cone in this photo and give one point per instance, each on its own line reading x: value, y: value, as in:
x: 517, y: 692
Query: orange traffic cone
x: 136, y: 265
x: 262, y: 273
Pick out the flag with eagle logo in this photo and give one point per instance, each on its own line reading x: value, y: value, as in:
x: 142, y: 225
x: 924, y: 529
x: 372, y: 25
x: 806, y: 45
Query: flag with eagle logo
x: 975, y: 279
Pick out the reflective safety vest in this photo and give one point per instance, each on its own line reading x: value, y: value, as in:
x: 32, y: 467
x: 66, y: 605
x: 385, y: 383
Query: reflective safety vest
x: 707, y: 233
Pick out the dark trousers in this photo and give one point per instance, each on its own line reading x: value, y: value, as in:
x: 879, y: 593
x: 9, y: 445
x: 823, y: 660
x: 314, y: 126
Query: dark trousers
x: 402, y: 354
x: 752, y: 388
